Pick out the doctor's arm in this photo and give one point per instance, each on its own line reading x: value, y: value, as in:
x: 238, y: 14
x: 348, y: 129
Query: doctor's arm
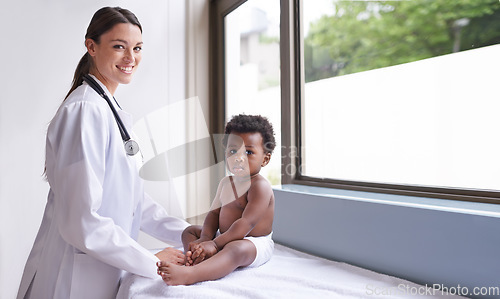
x: 156, y: 222
x: 79, y: 144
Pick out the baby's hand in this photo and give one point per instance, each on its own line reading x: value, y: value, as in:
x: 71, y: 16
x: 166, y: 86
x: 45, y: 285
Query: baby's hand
x: 189, y: 260
x: 192, y: 245
x: 189, y: 253
x: 203, y: 251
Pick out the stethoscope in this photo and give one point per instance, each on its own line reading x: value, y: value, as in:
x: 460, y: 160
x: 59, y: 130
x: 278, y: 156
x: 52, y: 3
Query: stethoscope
x: 131, y: 147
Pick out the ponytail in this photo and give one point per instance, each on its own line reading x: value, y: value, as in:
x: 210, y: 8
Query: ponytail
x: 82, y: 69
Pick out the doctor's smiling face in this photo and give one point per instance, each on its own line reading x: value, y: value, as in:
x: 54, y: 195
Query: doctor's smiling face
x: 116, y: 55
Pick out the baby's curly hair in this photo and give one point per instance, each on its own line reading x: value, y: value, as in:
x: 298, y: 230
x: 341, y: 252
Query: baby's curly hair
x: 250, y: 124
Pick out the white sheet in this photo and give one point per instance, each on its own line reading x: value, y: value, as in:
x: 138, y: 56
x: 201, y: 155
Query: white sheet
x: 289, y: 274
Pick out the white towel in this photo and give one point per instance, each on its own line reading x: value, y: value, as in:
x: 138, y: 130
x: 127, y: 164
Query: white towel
x: 289, y: 274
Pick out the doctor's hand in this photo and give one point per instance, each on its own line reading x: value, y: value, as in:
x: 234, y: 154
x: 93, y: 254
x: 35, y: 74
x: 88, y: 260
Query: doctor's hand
x: 171, y: 255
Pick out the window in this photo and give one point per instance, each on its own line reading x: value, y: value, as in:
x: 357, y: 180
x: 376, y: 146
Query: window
x: 395, y: 96
x: 251, y: 67
x: 385, y: 96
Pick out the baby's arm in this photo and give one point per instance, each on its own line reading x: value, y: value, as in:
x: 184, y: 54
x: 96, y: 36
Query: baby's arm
x: 195, y: 252
x: 259, y: 197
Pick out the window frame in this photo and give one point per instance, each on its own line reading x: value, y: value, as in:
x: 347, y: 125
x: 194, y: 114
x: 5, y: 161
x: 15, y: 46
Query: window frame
x: 219, y: 9
x: 292, y: 97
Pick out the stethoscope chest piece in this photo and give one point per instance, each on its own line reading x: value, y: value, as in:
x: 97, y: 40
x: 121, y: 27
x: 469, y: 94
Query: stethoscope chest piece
x: 131, y: 147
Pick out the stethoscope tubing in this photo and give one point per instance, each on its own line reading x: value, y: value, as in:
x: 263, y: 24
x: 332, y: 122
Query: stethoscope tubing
x: 131, y: 146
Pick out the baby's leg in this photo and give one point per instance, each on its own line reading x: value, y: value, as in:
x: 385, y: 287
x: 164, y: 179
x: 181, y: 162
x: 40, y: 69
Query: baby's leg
x: 235, y: 254
x: 190, y: 234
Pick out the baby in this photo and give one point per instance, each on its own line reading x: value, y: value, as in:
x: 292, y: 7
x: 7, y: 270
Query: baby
x: 237, y: 231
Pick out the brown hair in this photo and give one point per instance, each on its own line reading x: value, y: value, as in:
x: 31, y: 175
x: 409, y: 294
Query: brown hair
x: 103, y: 20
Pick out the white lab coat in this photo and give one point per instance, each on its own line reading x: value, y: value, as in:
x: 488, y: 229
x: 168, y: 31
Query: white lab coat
x: 95, y: 208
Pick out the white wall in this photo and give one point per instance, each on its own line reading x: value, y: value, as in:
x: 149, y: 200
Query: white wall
x: 42, y: 41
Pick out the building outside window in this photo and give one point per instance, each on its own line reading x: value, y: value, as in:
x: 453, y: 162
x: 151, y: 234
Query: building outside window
x: 252, y: 69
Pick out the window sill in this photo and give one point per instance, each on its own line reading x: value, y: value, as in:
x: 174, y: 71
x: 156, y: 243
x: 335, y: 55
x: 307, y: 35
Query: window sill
x: 464, y: 207
x: 424, y: 240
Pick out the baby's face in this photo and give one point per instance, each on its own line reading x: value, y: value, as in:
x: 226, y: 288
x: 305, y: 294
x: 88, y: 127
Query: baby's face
x: 245, y: 154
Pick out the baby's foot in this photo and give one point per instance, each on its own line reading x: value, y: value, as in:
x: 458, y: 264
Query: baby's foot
x: 176, y: 275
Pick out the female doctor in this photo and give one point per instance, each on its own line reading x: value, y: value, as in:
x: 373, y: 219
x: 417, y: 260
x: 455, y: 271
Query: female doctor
x: 96, y: 203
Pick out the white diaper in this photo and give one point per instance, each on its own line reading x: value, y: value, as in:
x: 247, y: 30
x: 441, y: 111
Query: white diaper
x: 265, y: 248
